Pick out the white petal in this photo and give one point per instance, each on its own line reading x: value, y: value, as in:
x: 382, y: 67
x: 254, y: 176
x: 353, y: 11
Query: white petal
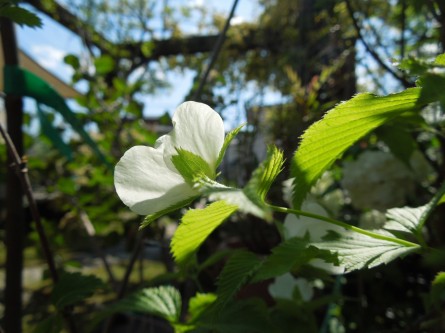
x: 146, y: 184
x: 198, y: 129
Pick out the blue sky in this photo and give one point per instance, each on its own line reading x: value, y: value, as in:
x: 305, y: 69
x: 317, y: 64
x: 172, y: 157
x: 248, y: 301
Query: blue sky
x: 50, y: 44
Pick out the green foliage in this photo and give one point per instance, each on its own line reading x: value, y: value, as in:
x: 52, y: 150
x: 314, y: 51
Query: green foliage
x: 399, y: 140
x: 227, y: 140
x: 104, y: 64
x: 153, y: 217
x: 437, y: 293
x: 237, y: 271
x: 196, y: 225
x: 285, y: 257
x: 356, y: 251
x: 237, y: 317
x: 251, y: 199
x: 163, y: 301
x: 234, y: 196
x: 330, y: 137
x: 21, y: 82
x: 52, y: 324
x: 19, y: 15
x: 264, y: 176
x: 73, y: 288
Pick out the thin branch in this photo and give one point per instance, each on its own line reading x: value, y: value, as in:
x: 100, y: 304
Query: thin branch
x: 374, y: 54
x: 89, y: 228
x: 215, y: 53
x: 126, y: 279
x: 402, y: 32
x: 20, y: 168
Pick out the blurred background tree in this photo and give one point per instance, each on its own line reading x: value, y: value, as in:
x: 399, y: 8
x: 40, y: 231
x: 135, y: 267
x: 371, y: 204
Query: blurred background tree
x: 311, y: 54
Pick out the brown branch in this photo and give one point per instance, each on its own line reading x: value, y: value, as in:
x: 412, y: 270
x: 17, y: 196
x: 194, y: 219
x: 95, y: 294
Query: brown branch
x: 72, y: 23
x: 371, y: 51
x: 21, y: 170
x: 123, y: 287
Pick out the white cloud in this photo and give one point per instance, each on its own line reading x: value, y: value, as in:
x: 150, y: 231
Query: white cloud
x: 48, y: 56
x: 237, y: 20
x: 196, y: 3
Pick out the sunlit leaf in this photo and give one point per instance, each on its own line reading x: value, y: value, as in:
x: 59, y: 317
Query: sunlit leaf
x: 356, y: 251
x: 263, y: 177
x: 196, y: 225
x: 328, y: 138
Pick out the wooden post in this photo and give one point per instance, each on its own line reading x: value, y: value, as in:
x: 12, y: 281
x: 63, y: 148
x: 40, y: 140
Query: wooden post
x: 14, y: 227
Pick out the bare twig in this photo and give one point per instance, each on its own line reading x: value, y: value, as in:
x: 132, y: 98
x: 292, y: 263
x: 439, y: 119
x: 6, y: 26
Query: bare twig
x: 126, y: 279
x: 215, y: 52
x: 402, y: 32
x: 372, y: 52
x: 89, y: 228
x: 20, y: 168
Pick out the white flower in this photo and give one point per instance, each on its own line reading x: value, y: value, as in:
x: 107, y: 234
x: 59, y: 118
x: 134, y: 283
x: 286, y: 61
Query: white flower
x: 377, y: 180
x: 283, y: 287
x: 146, y: 179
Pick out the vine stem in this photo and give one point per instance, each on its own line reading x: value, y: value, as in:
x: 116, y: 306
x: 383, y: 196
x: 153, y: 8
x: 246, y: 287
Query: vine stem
x: 20, y: 168
x: 344, y: 225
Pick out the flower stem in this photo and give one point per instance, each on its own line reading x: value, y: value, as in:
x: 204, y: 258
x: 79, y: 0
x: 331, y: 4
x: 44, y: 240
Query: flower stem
x: 344, y: 225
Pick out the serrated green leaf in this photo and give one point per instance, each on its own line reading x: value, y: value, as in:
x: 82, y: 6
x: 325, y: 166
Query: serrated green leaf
x: 237, y: 271
x: 196, y: 225
x: 356, y: 251
x: 238, y: 317
x: 290, y: 253
x: 199, y: 303
x: 21, y: 16
x: 227, y: 140
x: 153, y: 217
x: 406, y: 219
x: 191, y: 166
x: 163, y: 301
x: 246, y: 204
x: 328, y: 138
x: 74, y: 287
x: 263, y: 176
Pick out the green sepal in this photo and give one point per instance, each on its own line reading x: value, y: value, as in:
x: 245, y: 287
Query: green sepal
x: 263, y: 176
x: 191, y: 166
x: 152, y: 217
x: 227, y: 140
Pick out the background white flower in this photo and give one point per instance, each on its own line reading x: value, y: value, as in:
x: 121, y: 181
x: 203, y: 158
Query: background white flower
x: 300, y: 226
x: 377, y: 180
x: 146, y: 179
